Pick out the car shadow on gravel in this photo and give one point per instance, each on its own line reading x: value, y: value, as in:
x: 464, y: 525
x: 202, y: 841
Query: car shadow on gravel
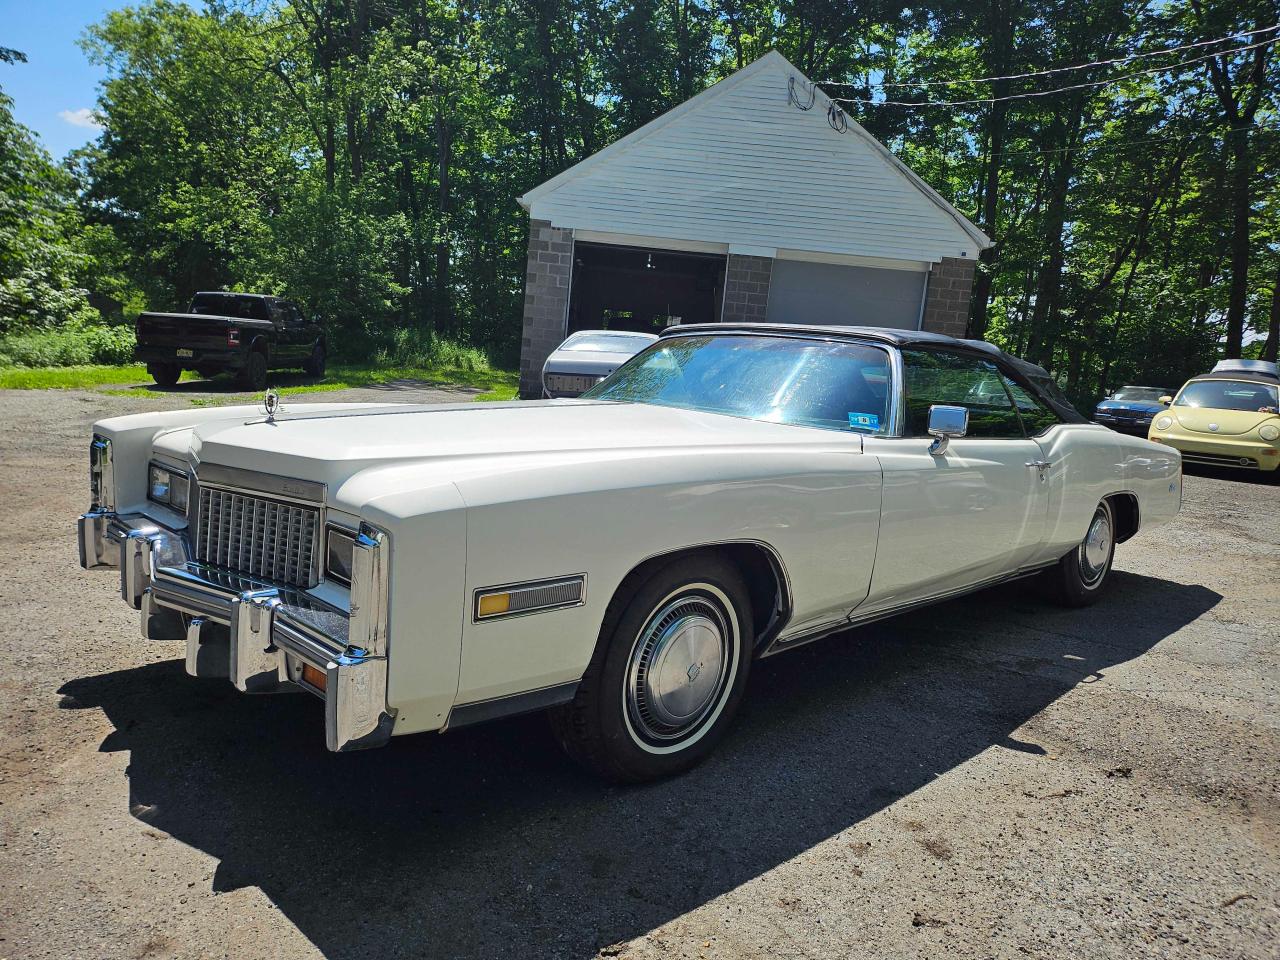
x: 488, y: 841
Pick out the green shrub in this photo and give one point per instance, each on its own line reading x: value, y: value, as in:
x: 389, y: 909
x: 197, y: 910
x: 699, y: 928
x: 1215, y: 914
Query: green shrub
x: 68, y: 346
x: 410, y: 347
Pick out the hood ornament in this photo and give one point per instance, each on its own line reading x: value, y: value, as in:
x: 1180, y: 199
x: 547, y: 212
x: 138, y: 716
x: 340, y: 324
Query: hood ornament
x: 271, y: 405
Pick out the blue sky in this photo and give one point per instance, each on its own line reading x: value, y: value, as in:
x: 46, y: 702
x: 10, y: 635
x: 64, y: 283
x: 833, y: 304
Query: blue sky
x: 57, y: 82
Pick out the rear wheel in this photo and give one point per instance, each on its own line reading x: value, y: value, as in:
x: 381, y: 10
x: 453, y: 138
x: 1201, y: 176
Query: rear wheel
x: 667, y: 676
x: 1079, y: 578
x: 165, y: 374
x: 253, y: 375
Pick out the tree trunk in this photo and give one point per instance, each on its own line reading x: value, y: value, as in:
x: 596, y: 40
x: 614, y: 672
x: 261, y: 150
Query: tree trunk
x: 1238, y: 141
x: 443, y: 306
x: 1272, y: 344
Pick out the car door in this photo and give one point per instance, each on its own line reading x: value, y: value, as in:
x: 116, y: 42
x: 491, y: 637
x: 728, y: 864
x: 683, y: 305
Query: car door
x: 971, y: 512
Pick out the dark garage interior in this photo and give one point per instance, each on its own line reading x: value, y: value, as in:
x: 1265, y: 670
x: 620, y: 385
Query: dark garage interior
x: 632, y: 288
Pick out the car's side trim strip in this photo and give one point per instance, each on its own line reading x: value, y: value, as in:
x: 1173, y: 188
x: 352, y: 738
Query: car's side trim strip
x: 465, y: 714
x: 798, y: 640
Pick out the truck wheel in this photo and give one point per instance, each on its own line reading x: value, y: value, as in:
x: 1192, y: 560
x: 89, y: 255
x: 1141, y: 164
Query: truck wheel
x: 1079, y: 578
x: 667, y: 676
x: 165, y: 374
x: 253, y: 375
x: 315, y: 363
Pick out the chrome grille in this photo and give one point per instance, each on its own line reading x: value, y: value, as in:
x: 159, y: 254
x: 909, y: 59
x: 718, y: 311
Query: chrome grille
x: 258, y: 537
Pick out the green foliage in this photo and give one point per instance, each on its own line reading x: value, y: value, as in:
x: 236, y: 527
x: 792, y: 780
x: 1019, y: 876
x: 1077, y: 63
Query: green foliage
x: 39, y: 262
x: 365, y: 158
x: 69, y: 346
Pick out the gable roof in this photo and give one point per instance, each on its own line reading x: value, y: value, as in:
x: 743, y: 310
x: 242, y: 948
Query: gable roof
x: 739, y: 163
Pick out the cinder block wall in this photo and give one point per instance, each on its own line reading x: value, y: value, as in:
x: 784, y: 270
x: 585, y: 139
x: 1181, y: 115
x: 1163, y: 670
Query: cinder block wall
x: 746, y: 288
x: 546, y: 301
x: 946, y: 302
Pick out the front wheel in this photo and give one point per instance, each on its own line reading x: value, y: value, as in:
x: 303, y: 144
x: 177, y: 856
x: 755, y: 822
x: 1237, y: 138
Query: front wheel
x: 1079, y: 578
x: 165, y: 374
x: 667, y: 676
x: 314, y: 365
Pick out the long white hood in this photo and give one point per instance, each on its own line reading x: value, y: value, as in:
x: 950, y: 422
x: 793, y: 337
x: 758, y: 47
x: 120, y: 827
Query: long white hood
x: 330, y: 446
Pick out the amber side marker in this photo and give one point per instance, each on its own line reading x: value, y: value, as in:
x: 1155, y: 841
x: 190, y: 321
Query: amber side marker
x: 313, y: 676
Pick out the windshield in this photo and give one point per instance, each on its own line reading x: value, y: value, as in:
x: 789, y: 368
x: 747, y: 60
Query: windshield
x: 607, y: 343
x: 1147, y: 394
x: 230, y: 305
x: 836, y: 386
x: 1228, y: 395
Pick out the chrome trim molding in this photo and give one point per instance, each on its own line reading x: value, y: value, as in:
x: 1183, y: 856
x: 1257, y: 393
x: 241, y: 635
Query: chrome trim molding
x: 533, y: 596
x: 466, y: 714
x: 826, y: 629
x: 97, y: 548
x: 261, y: 484
x: 255, y: 633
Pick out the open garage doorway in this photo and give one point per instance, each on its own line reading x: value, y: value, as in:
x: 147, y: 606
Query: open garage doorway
x: 633, y: 288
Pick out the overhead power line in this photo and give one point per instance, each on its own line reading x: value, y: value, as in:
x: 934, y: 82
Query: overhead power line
x: 1078, y: 66
x: 1047, y: 93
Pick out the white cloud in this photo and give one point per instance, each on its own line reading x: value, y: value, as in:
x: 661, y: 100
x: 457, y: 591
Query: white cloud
x: 81, y: 118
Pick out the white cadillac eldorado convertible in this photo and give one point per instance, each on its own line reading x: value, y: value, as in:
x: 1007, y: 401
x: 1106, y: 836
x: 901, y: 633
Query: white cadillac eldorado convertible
x: 730, y: 493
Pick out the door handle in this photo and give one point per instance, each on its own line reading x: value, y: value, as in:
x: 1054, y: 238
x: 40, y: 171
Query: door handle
x: 1041, y: 465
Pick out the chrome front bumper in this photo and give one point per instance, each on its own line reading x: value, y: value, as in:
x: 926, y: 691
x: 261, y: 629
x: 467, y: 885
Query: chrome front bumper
x: 257, y: 634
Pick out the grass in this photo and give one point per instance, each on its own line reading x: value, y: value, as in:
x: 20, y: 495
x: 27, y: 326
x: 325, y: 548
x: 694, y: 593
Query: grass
x: 494, y: 384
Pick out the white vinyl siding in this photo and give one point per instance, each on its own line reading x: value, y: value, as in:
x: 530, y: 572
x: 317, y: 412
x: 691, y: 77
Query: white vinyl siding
x: 741, y: 165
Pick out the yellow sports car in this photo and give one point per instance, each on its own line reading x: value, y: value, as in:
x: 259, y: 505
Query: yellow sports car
x: 1227, y: 418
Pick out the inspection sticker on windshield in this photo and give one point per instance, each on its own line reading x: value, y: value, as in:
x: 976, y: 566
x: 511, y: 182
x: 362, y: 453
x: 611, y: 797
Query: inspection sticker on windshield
x: 864, y: 421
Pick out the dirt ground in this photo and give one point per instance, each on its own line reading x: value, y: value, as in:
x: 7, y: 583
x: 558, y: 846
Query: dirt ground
x: 990, y: 777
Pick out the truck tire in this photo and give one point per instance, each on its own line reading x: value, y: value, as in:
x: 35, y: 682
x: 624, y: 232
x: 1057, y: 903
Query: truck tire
x: 667, y: 676
x: 314, y: 365
x: 165, y: 374
x: 253, y: 375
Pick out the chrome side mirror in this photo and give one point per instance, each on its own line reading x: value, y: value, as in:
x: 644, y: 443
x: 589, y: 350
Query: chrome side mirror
x: 946, y: 422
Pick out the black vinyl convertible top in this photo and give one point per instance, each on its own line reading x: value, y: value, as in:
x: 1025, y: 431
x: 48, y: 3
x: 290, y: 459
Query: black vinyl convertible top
x: 1028, y: 374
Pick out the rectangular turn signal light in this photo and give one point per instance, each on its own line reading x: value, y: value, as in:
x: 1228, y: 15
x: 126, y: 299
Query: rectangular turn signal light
x: 313, y: 676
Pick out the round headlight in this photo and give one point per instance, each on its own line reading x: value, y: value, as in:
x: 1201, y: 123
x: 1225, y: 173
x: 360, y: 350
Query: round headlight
x: 1164, y: 423
x: 1269, y: 432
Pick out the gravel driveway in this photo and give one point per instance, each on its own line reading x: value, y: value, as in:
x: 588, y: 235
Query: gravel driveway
x: 990, y: 777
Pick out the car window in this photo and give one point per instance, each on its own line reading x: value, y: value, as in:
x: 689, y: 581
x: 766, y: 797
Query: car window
x: 937, y: 377
x: 835, y: 385
x: 1036, y: 417
x: 230, y: 305
x: 1227, y: 395
x: 606, y: 343
x: 1144, y: 394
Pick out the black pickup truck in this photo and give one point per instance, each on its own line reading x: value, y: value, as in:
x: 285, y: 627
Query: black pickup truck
x: 249, y: 333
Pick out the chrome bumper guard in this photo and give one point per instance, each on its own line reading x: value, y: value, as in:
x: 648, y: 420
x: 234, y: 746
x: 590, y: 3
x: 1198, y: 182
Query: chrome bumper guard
x: 257, y: 634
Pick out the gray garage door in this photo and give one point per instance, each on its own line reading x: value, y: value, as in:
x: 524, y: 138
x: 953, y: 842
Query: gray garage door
x: 827, y: 293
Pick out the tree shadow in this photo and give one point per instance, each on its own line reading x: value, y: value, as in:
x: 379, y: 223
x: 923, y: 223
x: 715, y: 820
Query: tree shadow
x: 488, y: 839
x: 228, y: 384
x: 1258, y: 478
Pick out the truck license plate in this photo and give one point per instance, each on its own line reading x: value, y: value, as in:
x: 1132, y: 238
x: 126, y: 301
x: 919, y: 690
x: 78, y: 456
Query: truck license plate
x: 186, y: 353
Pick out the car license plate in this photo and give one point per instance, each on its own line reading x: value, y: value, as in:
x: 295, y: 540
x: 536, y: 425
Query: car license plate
x: 186, y: 353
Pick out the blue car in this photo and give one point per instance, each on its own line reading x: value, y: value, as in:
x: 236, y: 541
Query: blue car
x: 1131, y: 409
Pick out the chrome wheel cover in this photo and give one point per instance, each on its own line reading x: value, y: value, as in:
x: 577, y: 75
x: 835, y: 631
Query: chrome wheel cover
x: 679, y: 667
x: 1095, y: 549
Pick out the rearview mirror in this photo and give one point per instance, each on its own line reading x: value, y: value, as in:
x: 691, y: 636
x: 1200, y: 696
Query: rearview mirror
x: 946, y: 422
x: 1166, y: 399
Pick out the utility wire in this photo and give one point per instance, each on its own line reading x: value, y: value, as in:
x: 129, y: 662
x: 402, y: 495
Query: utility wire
x: 1055, y: 70
x: 1045, y: 93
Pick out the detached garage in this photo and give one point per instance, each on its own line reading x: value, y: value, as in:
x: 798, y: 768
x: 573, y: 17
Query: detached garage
x: 755, y: 200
